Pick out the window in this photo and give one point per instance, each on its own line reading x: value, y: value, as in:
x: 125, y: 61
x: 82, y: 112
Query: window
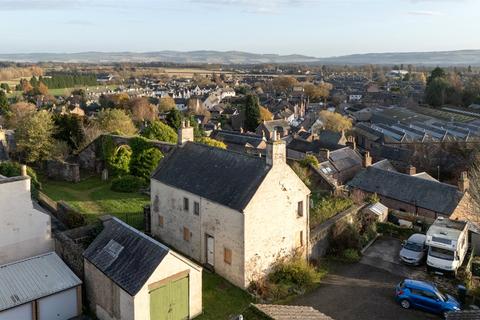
x: 160, y: 221
x: 156, y: 204
x: 186, y: 234
x: 300, y: 209
x: 185, y: 204
x: 196, y: 208
x: 299, y: 238
x: 227, y: 256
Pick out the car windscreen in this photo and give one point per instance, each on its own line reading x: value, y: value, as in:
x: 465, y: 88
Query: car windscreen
x: 441, y: 253
x: 413, y: 246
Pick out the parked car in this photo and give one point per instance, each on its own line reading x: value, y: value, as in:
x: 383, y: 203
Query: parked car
x: 414, y: 249
x: 424, y: 295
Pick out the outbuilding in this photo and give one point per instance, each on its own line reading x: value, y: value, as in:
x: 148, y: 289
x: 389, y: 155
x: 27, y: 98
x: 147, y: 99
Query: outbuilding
x: 130, y: 276
x: 39, y: 288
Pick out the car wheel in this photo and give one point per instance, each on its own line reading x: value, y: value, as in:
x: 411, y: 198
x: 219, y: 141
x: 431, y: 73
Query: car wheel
x: 405, y: 304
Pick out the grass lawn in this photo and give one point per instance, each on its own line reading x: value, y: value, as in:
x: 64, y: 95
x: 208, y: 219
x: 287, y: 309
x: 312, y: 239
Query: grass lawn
x: 93, y: 198
x: 221, y: 299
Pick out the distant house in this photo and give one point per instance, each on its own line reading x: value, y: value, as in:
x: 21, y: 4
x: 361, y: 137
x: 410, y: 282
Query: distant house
x: 130, y: 276
x: 416, y: 193
x: 39, y: 288
x: 241, y: 142
x: 267, y: 128
x: 233, y: 212
x: 299, y: 147
x: 24, y: 227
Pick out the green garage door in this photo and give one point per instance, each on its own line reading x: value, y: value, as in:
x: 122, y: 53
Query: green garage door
x: 170, y: 302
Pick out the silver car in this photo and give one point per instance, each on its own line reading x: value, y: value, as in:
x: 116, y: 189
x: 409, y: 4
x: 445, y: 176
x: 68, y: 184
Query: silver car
x: 414, y: 250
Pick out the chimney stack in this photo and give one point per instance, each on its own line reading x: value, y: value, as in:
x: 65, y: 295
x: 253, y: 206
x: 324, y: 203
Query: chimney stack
x: 276, y: 151
x: 23, y: 170
x: 185, y: 133
x: 411, y: 170
x: 367, y: 160
x: 351, y: 142
x: 464, y: 182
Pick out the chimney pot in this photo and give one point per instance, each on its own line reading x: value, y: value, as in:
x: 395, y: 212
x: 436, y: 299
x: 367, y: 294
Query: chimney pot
x: 23, y: 170
x: 367, y: 160
x: 411, y: 170
x: 464, y: 182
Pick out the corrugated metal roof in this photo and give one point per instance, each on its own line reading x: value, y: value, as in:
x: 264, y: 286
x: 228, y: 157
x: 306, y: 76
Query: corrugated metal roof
x: 33, y: 278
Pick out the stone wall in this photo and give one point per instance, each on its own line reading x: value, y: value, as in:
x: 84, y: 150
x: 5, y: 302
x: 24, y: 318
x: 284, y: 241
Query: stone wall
x: 59, y: 170
x: 70, y: 245
x: 89, y: 158
x: 320, y: 235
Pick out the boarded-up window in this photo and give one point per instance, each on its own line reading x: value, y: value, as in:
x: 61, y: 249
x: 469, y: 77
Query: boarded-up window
x: 186, y: 234
x: 300, y: 239
x: 196, y: 208
x: 300, y: 209
x: 227, y: 256
x: 156, y: 204
x: 160, y: 221
x: 185, y: 204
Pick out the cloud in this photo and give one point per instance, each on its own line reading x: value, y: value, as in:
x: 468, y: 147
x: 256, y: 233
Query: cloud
x: 425, y: 13
x: 79, y: 22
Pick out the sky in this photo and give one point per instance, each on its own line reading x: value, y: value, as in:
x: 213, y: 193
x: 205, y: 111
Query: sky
x: 319, y: 28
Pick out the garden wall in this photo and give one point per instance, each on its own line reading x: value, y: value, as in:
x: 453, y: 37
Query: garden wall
x: 60, y: 170
x: 320, y: 235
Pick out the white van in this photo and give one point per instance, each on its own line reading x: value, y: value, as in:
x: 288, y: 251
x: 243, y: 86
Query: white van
x: 448, y: 244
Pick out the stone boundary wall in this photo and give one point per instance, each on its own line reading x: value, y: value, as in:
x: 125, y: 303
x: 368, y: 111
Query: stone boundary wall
x: 60, y: 170
x: 320, y: 235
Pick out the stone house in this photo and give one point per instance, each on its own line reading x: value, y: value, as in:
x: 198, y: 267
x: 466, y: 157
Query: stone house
x: 268, y: 128
x: 419, y: 194
x: 130, y: 276
x: 24, y: 227
x: 232, y: 212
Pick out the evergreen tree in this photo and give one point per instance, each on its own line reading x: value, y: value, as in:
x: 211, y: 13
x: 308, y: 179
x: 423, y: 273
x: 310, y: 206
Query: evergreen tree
x: 252, y: 112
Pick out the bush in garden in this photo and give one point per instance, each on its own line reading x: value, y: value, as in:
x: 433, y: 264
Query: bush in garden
x: 119, y: 162
x: 294, y: 271
x: 127, y: 184
x: 350, y: 255
x: 310, y: 160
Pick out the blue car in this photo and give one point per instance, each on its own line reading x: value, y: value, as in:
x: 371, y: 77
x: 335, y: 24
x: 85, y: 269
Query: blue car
x: 424, y: 295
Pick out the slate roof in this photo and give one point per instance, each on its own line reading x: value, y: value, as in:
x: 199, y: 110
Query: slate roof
x: 385, y: 165
x: 237, y: 137
x: 273, y: 124
x: 222, y: 176
x: 282, y: 312
x: 424, y: 193
x: 345, y: 158
x: 125, y: 255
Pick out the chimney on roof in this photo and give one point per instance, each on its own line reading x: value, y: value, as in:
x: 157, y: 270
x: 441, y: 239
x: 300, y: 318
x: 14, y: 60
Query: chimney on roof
x: 276, y: 150
x: 324, y: 154
x: 464, y: 182
x: 367, y: 160
x: 351, y: 142
x: 185, y: 133
x: 411, y: 170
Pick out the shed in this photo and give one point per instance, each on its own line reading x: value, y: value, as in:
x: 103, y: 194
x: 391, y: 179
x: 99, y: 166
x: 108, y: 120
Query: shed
x: 378, y: 210
x: 129, y: 275
x: 39, y: 288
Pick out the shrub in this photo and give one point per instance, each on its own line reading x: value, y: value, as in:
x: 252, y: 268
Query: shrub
x: 143, y: 163
x: 294, y: 271
x: 119, y: 162
x: 158, y: 130
x: 310, y: 160
x: 212, y: 142
x: 327, y: 207
x: 127, y: 184
x: 348, y: 238
x: 394, y: 230
x: 350, y: 255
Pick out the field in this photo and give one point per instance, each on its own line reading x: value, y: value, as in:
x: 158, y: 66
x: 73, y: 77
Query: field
x: 93, y: 198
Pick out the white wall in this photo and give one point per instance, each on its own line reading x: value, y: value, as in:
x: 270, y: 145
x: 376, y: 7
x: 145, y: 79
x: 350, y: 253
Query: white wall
x: 60, y: 306
x: 23, y: 312
x: 24, y: 231
x: 272, y: 226
x: 172, y: 264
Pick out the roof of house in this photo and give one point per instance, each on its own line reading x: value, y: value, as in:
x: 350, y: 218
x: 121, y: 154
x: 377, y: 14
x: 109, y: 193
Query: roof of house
x: 283, y: 312
x: 424, y: 193
x: 385, y: 165
x: 33, y: 278
x: 223, y: 176
x: 274, y: 124
x: 125, y: 255
x: 238, y: 137
x: 345, y: 158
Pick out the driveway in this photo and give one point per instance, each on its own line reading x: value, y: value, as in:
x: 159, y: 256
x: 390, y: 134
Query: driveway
x: 365, y: 290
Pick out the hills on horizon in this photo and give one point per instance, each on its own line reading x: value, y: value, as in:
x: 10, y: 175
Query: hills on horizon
x: 443, y: 58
